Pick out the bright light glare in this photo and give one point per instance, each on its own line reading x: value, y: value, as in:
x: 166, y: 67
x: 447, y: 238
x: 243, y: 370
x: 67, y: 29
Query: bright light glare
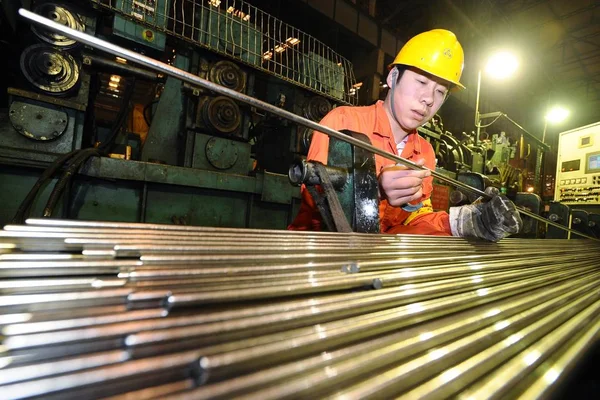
x: 557, y: 114
x: 502, y: 65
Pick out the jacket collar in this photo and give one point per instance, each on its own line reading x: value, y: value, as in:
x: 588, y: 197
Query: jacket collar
x: 382, y: 128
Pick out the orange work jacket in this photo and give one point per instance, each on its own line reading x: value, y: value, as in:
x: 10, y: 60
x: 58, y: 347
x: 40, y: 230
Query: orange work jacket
x: 373, y: 122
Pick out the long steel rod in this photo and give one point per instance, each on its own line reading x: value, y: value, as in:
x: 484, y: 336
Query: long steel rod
x: 206, y: 84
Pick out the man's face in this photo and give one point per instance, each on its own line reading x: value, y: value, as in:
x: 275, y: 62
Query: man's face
x: 417, y: 98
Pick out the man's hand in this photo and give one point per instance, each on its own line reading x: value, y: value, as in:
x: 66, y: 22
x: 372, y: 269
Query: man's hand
x: 400, y: 185
x: 491, y: 221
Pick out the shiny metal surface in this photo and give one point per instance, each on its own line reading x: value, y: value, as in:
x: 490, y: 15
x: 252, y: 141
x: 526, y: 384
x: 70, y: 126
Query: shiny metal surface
x: 230, y: 93
x: 210, y: 313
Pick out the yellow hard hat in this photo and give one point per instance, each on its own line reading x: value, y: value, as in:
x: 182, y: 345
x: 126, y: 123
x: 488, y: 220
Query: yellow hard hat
x: 437, y: 52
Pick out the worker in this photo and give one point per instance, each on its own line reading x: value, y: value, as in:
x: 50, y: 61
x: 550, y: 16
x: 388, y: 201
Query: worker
x: 425, y: 71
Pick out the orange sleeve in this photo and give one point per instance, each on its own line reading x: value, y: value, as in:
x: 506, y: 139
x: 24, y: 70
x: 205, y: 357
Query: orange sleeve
x: 432, y: 223
x: 309, y: 218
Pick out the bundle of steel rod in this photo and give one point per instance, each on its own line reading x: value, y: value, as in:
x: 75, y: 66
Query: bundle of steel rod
x: 127, y: 310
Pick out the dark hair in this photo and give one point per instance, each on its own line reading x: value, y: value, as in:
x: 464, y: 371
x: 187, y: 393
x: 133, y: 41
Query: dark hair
x: 402, y: 68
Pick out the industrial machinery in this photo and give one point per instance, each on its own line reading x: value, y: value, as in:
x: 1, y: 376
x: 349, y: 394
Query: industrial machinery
x: 578, y: 167
x: 167, y: 152
x: 349, y: 199
x: 578, y: 176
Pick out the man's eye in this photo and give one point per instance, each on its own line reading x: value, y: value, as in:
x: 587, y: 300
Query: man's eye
x: 422, y: 82
x: 442, y: 92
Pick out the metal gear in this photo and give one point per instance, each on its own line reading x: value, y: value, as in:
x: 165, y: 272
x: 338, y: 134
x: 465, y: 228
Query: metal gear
x: 316, y: 108
x: 61, y: 14
x: 220, y: 114
x: 50, y: 70
x: 228, y: 74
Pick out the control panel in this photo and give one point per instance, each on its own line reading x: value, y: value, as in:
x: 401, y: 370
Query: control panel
x: 578, y: 166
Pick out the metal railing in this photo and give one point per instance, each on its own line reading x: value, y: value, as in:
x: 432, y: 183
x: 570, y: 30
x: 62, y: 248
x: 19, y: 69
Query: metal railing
x: 243, y: 32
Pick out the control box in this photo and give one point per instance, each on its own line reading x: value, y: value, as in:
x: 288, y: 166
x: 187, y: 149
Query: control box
x: 578, y: 166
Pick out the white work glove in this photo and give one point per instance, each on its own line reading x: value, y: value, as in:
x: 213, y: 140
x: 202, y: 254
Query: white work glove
x: 492, y: 220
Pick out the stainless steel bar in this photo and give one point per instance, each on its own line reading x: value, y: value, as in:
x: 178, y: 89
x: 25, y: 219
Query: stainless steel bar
x: 509, y: 338
x: 28, y: 302
x: 238, y: 333
x: 414, y: 342
x: 544, y: 380
x: 293, y: 379
x: 522, y: 351
x: 497, y: 383
x: 314, y: 285
x: 284, y: 346
x: 26, y: 328
x: 118, y: 234
x: 173, y: 268
x: 41, y: 370
x: 196, y: 80
x: 67, y: 267
x: 139, y: 368
x: 343, y: 301
x: 89, y: 312
x: 34, y: 286
x: 156, y: 392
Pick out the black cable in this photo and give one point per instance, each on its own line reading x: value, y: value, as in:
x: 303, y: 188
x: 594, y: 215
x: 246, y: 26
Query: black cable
x: 81, y: 157
x: 85, y: 154
x: 120, y: 120
x: 46, y: 175
x: 145, y: 112
x: 76, y: 158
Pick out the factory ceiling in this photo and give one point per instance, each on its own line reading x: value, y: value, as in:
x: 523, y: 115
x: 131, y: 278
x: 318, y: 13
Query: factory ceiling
x: 557, y: 41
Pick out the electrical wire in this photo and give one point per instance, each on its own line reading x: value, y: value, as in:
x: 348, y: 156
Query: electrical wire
x: 147, y: 107
x: 491, y: 123
x: 85, y: 154
x: 48, y: 173
x: 72, y: 161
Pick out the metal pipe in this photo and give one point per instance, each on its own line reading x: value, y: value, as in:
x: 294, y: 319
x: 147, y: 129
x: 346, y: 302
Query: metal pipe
x: 303, y: 341
x: 96, y: 61
x: 508, y: 340
x: 477, y: 115
x: 195, y: 80
x: 482, y: 322
x: 303, y: 171
x: 315, y: 372
x: 537, y: 141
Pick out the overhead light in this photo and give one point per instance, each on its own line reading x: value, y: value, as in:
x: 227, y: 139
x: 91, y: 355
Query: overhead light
x: 502, y: 65
x: 292, y: 41
x: 280, y: 48
x: 238, y: 13
x: 121, y: 60
x: 557, y: 114
x: 215, y: 3
x: 268, y: 55
x: 115, y: 78
x: 113, y: 85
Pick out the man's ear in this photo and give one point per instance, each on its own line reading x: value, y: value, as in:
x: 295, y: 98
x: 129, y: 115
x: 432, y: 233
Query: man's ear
x: 392, y: 76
